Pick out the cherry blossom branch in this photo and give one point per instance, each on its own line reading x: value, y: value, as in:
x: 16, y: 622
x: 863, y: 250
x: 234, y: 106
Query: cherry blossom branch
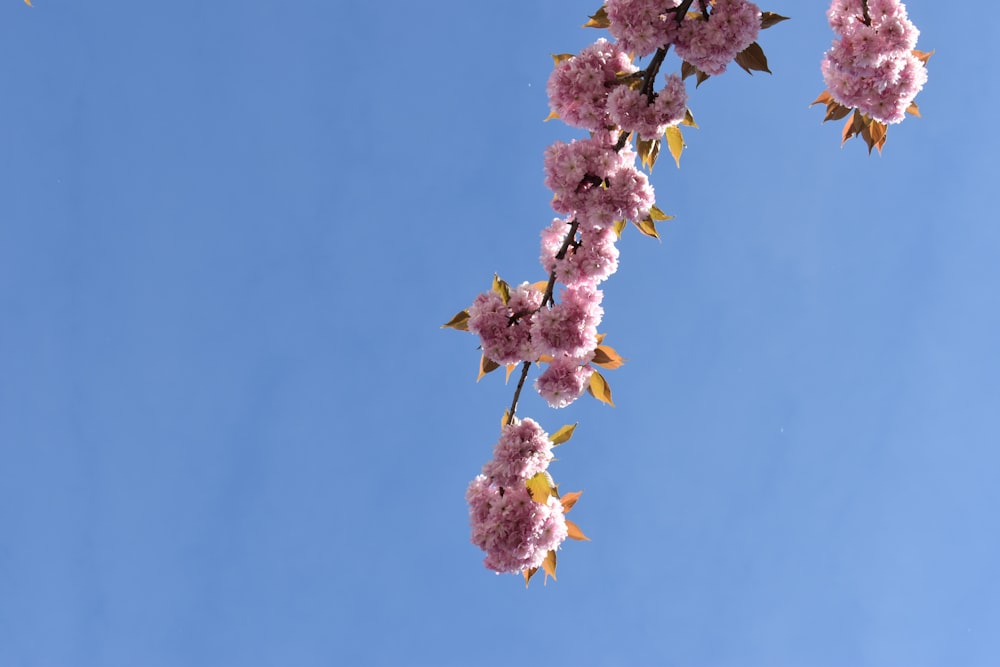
x: 547, y: 299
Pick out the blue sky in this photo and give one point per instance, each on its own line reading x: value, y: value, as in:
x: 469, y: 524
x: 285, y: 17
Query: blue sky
x: 232, y: 432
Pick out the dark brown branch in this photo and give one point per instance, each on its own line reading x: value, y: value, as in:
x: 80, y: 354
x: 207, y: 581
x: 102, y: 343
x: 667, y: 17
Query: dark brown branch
x: 547, y: 299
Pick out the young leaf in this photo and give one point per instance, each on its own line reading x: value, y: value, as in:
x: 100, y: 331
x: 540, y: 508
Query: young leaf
x: 657, y: 215
x: 460, y: 321
x: 528, y: 574
x: 598, y: 20
x: 835, y: 111
x: 689, y: 120
x: 824, y: 98
x: 27, y: 2
x: 752, y: 58
x: 549, y: 566
x: 563, y: 434
x: 913, y: 110
x: 647, y: 227
x: 619, y: 227
x: 502, y: 288
x: 606, y: 357
x: 648, y: 152
x: 923, y: 56
x: 541, y: 285
x: 561, y: 57
x: 675, y: 142
x: 503, y: 422
x: 510, y: 369
x: 600, y: 389
x: 540, y: 487
x: 552, y: 115
x: 569, y: 499
x: 573, y: 531
x: 768, y: 19
x: 486, y: 365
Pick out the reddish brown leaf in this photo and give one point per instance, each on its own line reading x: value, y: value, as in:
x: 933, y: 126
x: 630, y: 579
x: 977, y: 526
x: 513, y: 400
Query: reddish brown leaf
x: 605, y: 356
x: 768, y: 19
x: 752, y: 58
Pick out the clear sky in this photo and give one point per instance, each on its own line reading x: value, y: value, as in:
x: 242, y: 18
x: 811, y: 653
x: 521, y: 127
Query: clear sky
x: 233, y: 434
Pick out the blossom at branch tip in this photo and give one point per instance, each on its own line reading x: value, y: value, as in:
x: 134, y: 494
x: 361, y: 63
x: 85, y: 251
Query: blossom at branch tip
x: 523, y: 450
x: 871, y: 66
x: 515, y: 531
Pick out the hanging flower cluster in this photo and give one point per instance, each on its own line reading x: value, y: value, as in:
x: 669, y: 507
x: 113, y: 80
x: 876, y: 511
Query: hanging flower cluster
x: 872, y: 67
x: 516, y: 511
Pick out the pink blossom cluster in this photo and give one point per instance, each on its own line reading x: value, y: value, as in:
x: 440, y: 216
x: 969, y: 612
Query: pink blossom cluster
x: 712, y: 44
x: 642, y: 26
x: 871, y: 66
x: 595, y: 184
x: 522, y: 331
x: 514, y: 530
x: 633, y: 112
x: 592, y: 258
x: 504, y: 329
x: 578, y: 86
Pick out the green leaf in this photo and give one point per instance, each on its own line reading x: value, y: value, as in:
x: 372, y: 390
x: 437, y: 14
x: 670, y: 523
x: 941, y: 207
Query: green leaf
x: 675, y: 142
x: 563, y: 434
x: 460, y: 321
x: 598, y: 20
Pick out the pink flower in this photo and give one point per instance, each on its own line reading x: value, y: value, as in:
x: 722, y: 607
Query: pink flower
x: 872, y: 67
x: 523, y: 451
x: 710, y: 45
x: 569, y: 327
x: 578, y: 87
x: 563, y: 381
x: 634, y: 112
x: 642, y: 26
x: 504, y: 330
x: 590, y: 258
x: 515, y: 531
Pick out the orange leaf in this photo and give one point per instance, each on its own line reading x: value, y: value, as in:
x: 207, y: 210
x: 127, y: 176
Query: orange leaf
x: 574, y: 533
x: 510, y: 369
x: 486, y: 365
x: 598, y: 20
x: 923, y: 56
x: 605, y: 356
x: 528, y: 574
x: 913, y: 110
x: 569, y: 499
x: 549, y: 565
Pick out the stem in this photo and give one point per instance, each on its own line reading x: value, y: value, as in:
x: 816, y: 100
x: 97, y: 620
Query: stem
x: 867, y: 19
x: 547, y: 299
